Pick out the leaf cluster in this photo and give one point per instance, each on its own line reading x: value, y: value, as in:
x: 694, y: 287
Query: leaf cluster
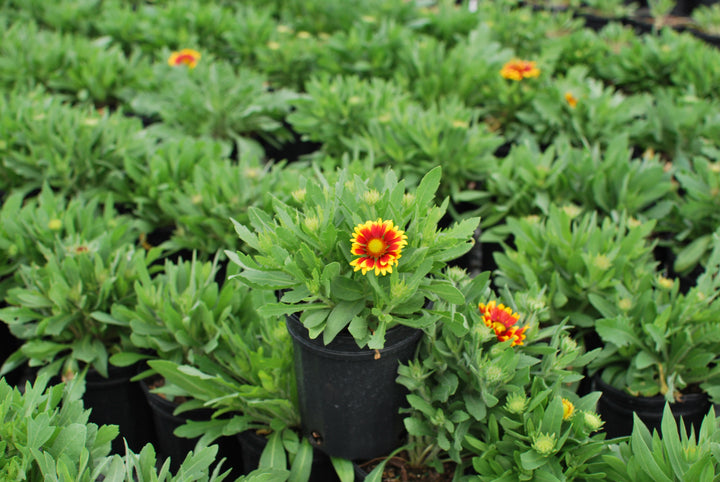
x: 675, y: 456
x: 303, y: 249
x: 463, y: 380
x: 61, y: 308
x: 574, y: 257
x: 659, y: 340
x: 215, y: 99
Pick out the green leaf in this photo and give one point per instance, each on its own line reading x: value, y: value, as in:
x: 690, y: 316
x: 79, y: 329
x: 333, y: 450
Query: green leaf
x: 105, y: 318
x: 272, y: 280
x: 340, y: 317
x: 690, y: 255
x: 446, y: 291
x: 347, y: 289
x: 126, y: 359
x: 644, y: 359
x: 425, y: 192
x: 643, y: 454
x: 417, y: 427
x: 302, y: 463
x: 272, y: 310
x: 671, y: 440
x: 532, y: 460
x: 273, y: 455
x: 344, y: 469
x: 475, y: 406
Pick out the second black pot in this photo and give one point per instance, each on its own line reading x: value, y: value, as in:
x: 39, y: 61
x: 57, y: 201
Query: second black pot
x: 118, y: 401
x: 176, y: 448
x: 616, y: 408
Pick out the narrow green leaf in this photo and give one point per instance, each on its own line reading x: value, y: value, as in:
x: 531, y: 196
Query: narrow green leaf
x: 344, y: 469
x: 302, y: 463
x: 273, y: 455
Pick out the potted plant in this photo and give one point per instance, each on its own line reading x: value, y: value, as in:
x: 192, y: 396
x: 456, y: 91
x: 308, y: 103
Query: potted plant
x: 698, y: 214
x: 574, y: 255
x: 247, y: 383
x: 46, y: 432
x: 178, y: 315
x: 213, y: 98
x: 674, y: 456
x: 482, y: 383
x: 47, y: 435
x: 358, y: 262
x: 60, y: 310
x: 660, y: 344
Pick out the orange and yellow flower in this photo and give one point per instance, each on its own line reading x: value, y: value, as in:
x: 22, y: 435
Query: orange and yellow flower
x: 517, y: 69
x: 571, y: 99
x: 502, y: 321
x: 187, y: 57
x: 379, y: 244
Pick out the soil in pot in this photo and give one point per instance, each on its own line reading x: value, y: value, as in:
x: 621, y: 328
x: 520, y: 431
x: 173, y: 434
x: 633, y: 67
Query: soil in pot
x: 397, y: 469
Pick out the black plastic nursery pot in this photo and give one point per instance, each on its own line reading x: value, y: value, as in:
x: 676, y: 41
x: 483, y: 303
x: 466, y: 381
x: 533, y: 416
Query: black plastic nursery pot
x: 118, y: 401
x: 349, y: 400
x: 616, y: 408
x: 176, y: 448
x: 252, y: 445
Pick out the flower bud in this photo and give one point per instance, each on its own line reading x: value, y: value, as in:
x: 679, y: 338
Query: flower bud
x: 568, y: 344
x: 312, y: 223
x: 493, y: 374
x: 602, y: 262
x: 664, y: 282
x: 544, y: 443
x: 371, y: 197
x: 571, y: 210
x: 299, y: 195
x: 456, y: 274
x: 568, y: 409
x: 592, y: 421
x: 55, y: 224
x: 398, y: 289
x: 516, y: 403
x: 252, y: 173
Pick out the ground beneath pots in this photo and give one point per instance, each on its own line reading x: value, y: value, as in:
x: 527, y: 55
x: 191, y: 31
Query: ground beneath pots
x: 398, y: 470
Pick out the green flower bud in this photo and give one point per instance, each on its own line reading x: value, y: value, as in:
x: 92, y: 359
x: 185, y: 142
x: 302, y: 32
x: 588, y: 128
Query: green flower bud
x: 371, y: 197
x: 516, y: 403
x: 312, y: 223
x: 602, y: 262
x: 544, y: 443
x: 493, y: 374
x: 408, y: 199
x: 398, y: 289
x: 456, y: 274
x: 568, y: 344
x: 299, y: 195
x: 592, y: 421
